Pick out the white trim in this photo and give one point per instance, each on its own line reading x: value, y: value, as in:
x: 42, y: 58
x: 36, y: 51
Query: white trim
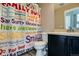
x: 71, y: 10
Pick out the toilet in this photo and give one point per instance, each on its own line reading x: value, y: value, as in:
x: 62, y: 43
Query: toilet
x: 40, y: 46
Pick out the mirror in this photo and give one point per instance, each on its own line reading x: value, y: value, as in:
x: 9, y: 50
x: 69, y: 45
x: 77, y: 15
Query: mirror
x: 72, y: 19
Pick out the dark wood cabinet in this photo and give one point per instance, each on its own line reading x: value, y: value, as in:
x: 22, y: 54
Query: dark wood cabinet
x: 61, y: 45
x: 74, y: 46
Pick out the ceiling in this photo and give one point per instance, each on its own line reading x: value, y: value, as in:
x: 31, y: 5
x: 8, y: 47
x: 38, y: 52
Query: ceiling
x: 56, y: 5
x: 59, y: 5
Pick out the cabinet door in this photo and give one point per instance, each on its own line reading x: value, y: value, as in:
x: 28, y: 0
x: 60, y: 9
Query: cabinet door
x: 57, y: 45
x: 74, y: 46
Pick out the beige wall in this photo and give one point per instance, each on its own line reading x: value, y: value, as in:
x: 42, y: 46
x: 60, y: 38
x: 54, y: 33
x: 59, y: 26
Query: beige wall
x: 59, y: 14
x: 47, y: 16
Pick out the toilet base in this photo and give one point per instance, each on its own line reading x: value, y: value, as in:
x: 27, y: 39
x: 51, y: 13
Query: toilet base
x: 39, y: 52
x: 44, y: 52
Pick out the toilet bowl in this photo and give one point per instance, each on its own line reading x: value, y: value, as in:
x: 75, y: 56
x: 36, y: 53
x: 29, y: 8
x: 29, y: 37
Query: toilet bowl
x: 39, y: 46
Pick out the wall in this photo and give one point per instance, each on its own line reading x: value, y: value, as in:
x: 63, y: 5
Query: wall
x: 59, y: 15
x: 47, y: 16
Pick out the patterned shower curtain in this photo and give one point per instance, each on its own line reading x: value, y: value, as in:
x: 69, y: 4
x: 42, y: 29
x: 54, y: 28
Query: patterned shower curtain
x: 20, y: 26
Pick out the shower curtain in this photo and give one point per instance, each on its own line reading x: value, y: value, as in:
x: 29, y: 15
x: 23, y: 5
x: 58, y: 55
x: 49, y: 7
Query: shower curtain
x: 20, y: 26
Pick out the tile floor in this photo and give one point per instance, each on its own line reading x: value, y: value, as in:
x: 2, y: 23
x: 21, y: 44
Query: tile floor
x: 31, y: 53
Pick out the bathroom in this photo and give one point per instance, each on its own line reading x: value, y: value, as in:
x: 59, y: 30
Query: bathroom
x: 62, y: 36
x: 60, y: 24
x: 50, y: 29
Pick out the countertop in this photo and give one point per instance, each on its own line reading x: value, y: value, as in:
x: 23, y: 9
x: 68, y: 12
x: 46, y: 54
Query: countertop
x: 63, y: 33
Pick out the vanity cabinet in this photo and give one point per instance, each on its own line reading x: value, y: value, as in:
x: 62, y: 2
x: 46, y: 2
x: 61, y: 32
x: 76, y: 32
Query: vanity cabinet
x: 61, y: 45
x: 73, y: 46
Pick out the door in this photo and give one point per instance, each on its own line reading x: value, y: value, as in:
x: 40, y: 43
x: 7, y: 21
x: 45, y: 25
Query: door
x: 57, y: 45
x: 74, y: 46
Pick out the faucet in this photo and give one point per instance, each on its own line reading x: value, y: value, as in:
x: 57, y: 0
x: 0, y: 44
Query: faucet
x: 70, y: 29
